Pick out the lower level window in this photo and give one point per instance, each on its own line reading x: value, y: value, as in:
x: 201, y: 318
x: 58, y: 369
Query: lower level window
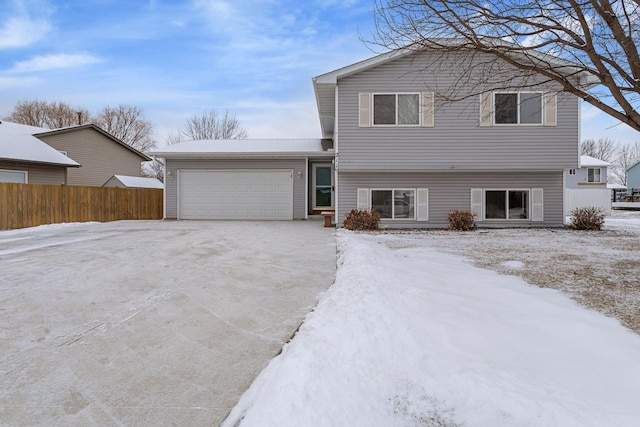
x: 393, y: 203
x: 506, y: 204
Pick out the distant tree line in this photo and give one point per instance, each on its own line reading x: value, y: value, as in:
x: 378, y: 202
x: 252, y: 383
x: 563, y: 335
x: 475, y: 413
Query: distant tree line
x: 128, y: 124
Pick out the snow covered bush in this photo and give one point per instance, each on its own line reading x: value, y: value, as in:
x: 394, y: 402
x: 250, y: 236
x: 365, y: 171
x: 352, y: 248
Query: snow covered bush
x: 591, y: 218
x: 461, y: 220
x: 362, y: 220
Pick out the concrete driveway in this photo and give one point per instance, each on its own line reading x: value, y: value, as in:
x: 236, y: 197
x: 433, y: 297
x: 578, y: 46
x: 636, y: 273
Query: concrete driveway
x: 149, y: 323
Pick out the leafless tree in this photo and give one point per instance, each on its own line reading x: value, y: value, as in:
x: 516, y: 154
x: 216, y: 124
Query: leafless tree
x: 603, y: 149
x: 51, y: 115
x: 212, y: 125
x: 154, y: 169
x: 570, y: 42
x: 627, y: 155
x: 175, y: 138
x: 127, y: 123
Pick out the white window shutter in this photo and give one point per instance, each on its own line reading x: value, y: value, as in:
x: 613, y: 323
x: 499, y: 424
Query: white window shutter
x: 550, y: 109
x: 422, y: 204
x: 476, y: 203
x: 537, y: 205
x: 486, y: 109
x: 428, y: 109
x: 364, y: 110
x: 363, y: 199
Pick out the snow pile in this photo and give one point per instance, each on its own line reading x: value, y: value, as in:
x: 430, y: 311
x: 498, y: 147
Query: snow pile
x: 513, y: 265
x: 411, y: 336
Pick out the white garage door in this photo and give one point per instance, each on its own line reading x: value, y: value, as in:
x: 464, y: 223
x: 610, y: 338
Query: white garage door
x: 255, y: 194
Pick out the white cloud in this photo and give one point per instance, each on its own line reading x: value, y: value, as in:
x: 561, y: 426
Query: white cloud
x: 54, y: 61
x: 25, y: 23
x: 18, y: 32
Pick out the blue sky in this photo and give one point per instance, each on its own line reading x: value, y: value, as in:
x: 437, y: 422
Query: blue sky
x: 176, y: 58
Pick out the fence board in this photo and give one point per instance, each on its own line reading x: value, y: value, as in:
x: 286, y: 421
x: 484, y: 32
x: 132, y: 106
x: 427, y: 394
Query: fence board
x: 29, y: 205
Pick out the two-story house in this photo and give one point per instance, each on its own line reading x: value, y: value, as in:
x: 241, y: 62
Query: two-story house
x: 391, y: 144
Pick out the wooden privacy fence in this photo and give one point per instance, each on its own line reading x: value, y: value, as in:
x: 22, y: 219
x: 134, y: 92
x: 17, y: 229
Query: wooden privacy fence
x: 29, y: 205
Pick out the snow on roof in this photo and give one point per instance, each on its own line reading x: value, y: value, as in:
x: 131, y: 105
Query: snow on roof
x: 139, y: 181
x: 242, y: 147
x: 592, y: 161
x: 18, y: 143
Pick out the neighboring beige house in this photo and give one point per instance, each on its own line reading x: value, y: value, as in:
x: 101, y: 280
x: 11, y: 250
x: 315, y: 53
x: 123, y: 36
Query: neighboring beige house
x: 101, y: 154
x: 133, y: 182
x: 26, y: 159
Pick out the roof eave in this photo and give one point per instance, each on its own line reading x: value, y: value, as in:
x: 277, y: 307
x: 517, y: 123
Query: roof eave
x: 243, y: 155
x: 36, y: 162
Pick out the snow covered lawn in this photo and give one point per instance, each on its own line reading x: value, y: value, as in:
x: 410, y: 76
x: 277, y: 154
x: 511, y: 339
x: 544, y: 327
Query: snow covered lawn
x: 411, y: 334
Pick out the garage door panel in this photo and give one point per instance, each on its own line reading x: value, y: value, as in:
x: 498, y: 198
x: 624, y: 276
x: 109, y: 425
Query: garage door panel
x: 235, y: 195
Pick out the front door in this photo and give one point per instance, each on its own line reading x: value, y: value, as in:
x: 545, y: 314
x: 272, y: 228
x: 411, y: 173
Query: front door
x: 322, y: 186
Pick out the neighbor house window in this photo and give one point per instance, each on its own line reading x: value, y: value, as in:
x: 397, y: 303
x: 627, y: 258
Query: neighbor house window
x: 396, y: 109
x: 506, y: 204
x: 593, y: 175
x: 394, y: 204
x: 18, y: 177
x: 518, y: 108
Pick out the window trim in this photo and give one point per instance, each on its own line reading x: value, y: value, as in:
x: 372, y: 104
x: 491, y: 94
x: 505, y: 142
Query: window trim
x: 25, y: 173
x: 599, y: 176
x: 396, y: 124
x: 393, y: 208
x: 507, y: 190
x: 518, y: 104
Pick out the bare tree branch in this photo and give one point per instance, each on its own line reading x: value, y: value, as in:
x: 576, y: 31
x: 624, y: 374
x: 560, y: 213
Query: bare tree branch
x: 604, y: 149
x: 212, y: 125
x: 568, y: 42
x: 627, y: 155
x: 127, y: 123
x: 51, y: 115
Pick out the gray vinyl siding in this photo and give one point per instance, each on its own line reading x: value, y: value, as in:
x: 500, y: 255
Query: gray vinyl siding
x: 100, y: 156
x: 449, y: 191
x: 456, y: 142
x: 581, y: 178
x: 633, y: 176
x: 38, y: 174
x: 299, y: 185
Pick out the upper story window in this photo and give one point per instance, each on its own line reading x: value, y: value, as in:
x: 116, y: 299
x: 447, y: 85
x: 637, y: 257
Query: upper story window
x: 593, y: 175
x: 396, y: 109
x: 518, y: 108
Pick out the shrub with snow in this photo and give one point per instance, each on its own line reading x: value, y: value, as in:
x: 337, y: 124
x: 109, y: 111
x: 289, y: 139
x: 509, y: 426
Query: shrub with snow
x: 461, y: 220
x: 591, y: 218
x: 362, y: 220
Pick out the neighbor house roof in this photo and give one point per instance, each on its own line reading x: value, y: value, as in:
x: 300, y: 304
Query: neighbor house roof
x: 138, y: 181
x: 325, y: 84
x: 98, y: 129
x: 634, y: 165
x: 588, y: 161
x: 18, y: 143
x: 239, y: 148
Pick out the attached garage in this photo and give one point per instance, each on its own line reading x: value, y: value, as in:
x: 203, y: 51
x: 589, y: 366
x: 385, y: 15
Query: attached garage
x: 259, y: 179
x: 235, y: 194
